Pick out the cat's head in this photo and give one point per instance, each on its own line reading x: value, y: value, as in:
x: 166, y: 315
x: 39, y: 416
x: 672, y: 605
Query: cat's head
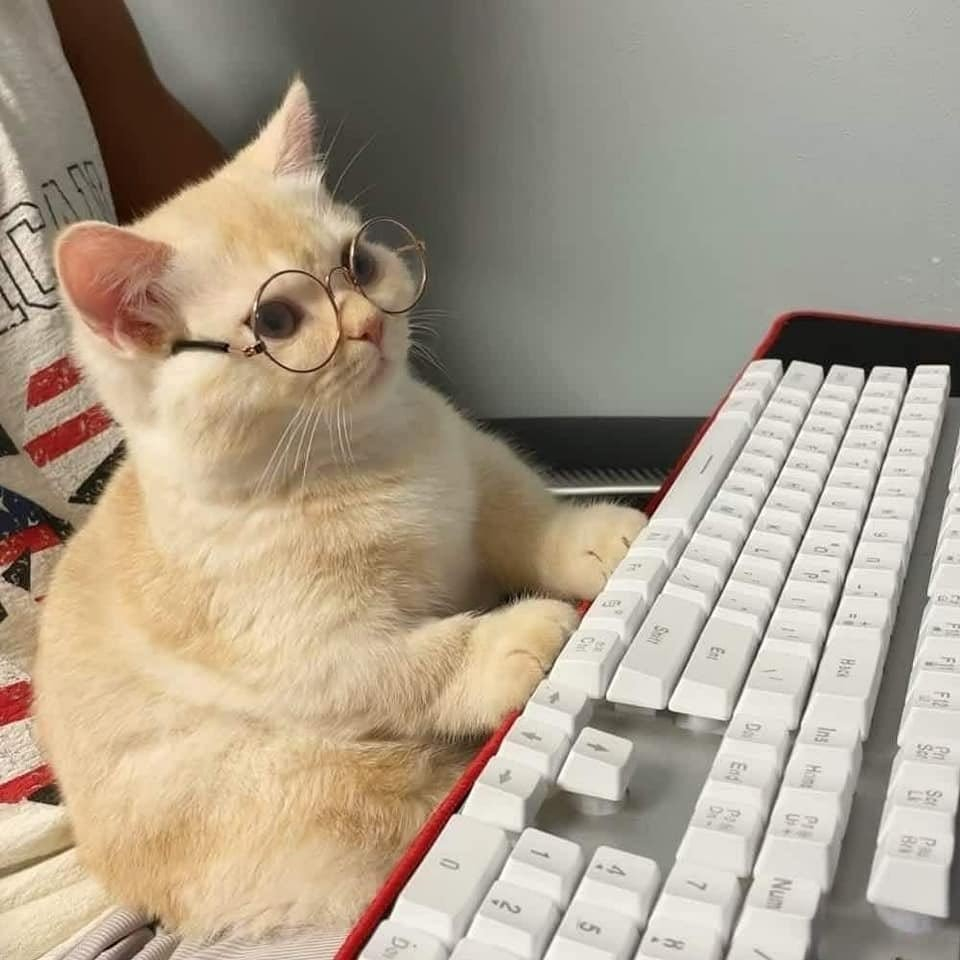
x: 190, y: 271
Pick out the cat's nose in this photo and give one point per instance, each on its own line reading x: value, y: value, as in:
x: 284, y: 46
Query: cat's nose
x: 370, y: 328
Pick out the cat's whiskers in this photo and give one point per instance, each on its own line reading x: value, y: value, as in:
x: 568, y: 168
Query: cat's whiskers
x: 352, y: 201
x: 316, y: 415
x: 303, y: 433
x: 263, y: 473
x: 347, y: 430
x: 346, y: 169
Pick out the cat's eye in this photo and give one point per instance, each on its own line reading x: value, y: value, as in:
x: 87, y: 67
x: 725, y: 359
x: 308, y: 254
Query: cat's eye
x: 362, y: 263
x: 277, y: 320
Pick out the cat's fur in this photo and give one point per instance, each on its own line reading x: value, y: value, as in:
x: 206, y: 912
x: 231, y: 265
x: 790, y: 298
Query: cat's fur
x: 252, y: 693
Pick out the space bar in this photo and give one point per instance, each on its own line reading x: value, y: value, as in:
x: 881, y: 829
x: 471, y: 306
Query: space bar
x: 701, y: 476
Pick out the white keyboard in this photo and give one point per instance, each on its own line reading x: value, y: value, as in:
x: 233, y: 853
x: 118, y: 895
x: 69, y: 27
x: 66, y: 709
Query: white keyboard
x: 718, y: 765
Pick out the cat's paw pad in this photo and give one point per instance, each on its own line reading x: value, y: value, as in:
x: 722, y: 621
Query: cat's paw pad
x: 516, y: 647
x: 593, y: 541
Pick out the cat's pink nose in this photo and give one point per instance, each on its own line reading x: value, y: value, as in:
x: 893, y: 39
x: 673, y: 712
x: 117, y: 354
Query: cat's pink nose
x: 370, y: 329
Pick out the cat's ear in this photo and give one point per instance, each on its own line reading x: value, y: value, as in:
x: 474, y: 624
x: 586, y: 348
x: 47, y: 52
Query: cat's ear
x: 114, y: 279
x: 287, y: 144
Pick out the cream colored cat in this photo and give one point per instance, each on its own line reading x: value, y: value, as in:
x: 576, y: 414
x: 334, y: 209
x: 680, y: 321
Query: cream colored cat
x: 253, y: 693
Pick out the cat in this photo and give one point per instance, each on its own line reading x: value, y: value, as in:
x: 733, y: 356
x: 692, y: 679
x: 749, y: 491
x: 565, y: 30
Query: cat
x: 253, y: 693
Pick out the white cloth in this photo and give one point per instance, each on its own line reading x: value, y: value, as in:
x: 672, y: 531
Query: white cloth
x: 53, y: 434
x: 53, y: 439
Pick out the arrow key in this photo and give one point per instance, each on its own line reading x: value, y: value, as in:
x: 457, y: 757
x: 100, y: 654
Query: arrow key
x: 540, y: 746
x: 599, y: 765
x: 559, y: 705
x: 506, y: 794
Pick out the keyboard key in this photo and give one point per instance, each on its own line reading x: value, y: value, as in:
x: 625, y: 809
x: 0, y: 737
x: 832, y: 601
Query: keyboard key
x: 802, y: 838
x: 764, y: 737
x: 742, y: 779
x: 696, y: 582
x: 779, y: 907
x: 846, y: 685
x: 515, y: 919
x: 821, y: 769
x: 772, y: 547
x: 723, y: 835
x: 445, y: 890
x: 746, y: 604
x: 880, y: 556
x: 713, y: 676
x: 712, y: 552
x: 506, y: 794
x: 474, y: 950
x: 687, y: 499
x: 659, y: 540
x: 649, y: 669
x: 816, y: 441
x: 798, y: 626
x: 591, y: 932
x: 548, y: 864
x: 588, y: 661
x: 392, y: 939
x: 923, y: 805
x: 599, y: 765
x: 869, y: 614
x: 850, y: 379
x: 719, y: 526
x: 759, y: 572
x: 703, y: 896
x: 843, y: 739
x: 745, y: 407
x: 818, y: 569
x: 834, y: 520
x: 622, y: 882
x: 776, y: 687
x: 566, y: 708
x: 930, y: 714
x: 823, y: 543
x: 668, y: 938
x: 539, y: 746
x: 873, y: 584
x: 747, y: 945
x: 639, y: 574
x: 782, y: 522
x: 912, y: 872
x: 618, y: 610
x: 805, y: 378
x: 845, y: 498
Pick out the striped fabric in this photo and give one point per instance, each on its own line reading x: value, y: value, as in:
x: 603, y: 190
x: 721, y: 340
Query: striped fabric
x: 126, y: 935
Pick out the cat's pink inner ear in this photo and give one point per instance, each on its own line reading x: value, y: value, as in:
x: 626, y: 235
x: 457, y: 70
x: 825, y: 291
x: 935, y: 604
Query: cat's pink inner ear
x: 297, y: 133
x: 113, y: 278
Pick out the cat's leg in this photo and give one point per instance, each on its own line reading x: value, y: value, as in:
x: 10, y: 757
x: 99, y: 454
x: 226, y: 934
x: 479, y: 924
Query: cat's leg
x: 531, y: 540
x: 458, y: 675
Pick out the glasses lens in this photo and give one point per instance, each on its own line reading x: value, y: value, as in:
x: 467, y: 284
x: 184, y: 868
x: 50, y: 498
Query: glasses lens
x: 381, y: 246
x: 296, y: 319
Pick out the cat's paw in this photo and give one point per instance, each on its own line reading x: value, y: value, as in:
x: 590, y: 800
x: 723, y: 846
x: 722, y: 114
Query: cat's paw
x: 513, y: 650
x: 587, y: 544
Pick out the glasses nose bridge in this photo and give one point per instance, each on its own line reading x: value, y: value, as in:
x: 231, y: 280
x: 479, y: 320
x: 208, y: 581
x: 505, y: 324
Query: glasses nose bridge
x: 330, y: 281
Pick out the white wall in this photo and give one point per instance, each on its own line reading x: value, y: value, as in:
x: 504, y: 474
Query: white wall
x: 619, y: 195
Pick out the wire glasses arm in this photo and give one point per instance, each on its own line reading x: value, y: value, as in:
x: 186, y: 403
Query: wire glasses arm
x: 216, y: 346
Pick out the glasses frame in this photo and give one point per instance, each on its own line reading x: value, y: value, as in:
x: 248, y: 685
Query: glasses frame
x: 259, y: 347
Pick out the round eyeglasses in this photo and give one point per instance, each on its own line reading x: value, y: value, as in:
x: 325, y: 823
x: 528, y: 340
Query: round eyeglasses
x: 295, y: 318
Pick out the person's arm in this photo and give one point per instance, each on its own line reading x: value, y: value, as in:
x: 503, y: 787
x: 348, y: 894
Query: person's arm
x: 150, y: 143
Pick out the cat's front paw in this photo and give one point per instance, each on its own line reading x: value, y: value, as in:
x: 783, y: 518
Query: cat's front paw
x: 513, y: 650
x: 587, y: 545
